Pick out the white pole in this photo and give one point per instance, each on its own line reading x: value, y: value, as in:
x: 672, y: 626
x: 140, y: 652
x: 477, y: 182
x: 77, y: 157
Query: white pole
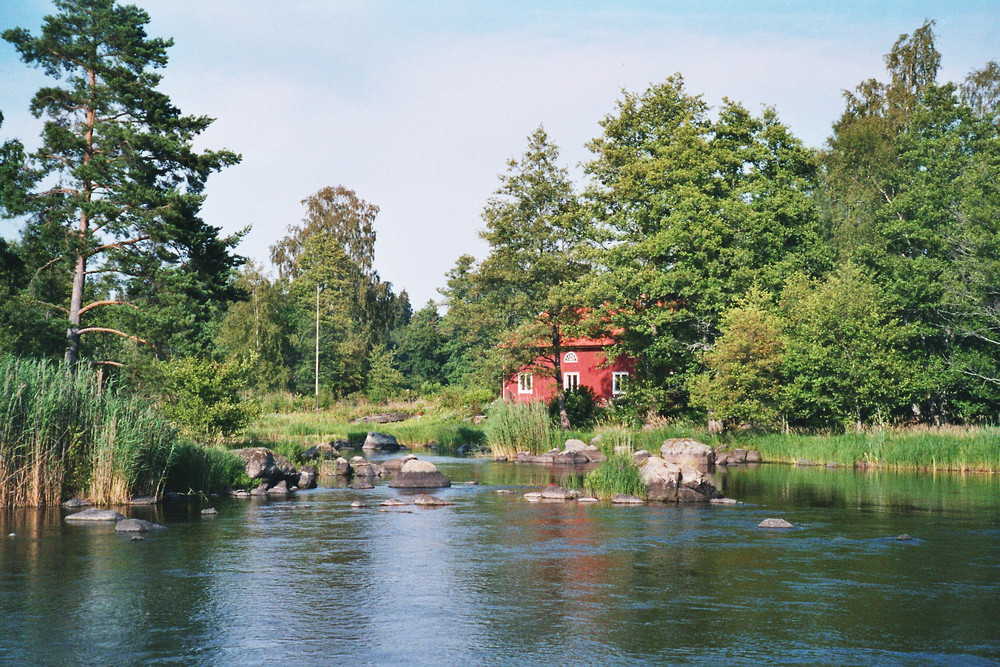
x: 317, y: 346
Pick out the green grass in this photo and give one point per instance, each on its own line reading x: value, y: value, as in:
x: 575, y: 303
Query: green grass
x: 618, y: 474
x: 198, y: 469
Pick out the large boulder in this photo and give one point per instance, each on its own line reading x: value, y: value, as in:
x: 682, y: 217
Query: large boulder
x: 670, y: 482
x: 418, y: 474
x: 574, y: 445
x: 94, y: 514
x: 263, y: 464
x: 685, y: 451
x: 380, y: 442
x: 307, y: 478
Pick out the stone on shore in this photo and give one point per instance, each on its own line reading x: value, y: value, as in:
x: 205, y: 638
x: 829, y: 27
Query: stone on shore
x: 418, y: 474
x: 136, y: 526
x: 143, y: 500
x: 574, y: 445
x: 74, y: 503
x: 94, y: 514
x: 626, y: 499
x: 380, y: 442
x: 307, y: 478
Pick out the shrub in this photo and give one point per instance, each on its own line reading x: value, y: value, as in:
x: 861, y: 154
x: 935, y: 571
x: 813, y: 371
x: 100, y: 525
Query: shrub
x: 513, y: 427
x: 581, y: 407
x: 204, y: 395
x: 206, y: 470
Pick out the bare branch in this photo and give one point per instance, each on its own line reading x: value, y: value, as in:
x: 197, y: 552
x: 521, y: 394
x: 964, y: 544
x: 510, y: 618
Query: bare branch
x: 118, y: 244
x: 118, y: 333
x: 107, y: 303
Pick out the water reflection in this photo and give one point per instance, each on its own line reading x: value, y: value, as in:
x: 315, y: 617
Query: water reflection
x: 494, y: 579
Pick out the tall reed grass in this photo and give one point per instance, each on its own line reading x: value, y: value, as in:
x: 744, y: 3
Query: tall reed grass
x: 518, y: 427
x: 62, y: 434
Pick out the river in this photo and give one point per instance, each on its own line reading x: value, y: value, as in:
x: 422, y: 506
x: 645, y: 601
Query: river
x: 495, y: 580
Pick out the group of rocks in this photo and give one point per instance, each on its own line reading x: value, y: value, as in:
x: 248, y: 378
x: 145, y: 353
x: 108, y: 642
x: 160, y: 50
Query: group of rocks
x: 278, y: 477
x: 679, y: 474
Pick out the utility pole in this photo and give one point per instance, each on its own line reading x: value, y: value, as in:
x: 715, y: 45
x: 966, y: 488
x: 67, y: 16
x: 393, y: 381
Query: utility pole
x: 317, y: 347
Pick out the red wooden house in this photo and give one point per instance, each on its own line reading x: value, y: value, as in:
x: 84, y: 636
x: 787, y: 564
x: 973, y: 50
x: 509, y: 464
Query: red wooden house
x: 584, y: 363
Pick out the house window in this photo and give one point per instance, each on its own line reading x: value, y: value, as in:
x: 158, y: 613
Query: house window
x: 570, y: 358
x: 571, y: 381
x: 618, y: 382
x: 525, y: 383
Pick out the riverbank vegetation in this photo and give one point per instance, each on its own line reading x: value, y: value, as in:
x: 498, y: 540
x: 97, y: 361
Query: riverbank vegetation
x: 833, y: 304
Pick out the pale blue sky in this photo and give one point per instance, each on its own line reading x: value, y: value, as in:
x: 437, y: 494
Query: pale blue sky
x: 417, y: 105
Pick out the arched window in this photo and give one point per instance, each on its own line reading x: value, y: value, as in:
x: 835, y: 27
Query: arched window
x: 570, y: 358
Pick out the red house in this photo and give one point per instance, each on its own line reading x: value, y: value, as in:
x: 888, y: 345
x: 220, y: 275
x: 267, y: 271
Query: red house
x: 584, y: 363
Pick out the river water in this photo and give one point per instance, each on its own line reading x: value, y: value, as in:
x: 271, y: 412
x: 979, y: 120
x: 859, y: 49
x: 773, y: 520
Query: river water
x: 496, y: 580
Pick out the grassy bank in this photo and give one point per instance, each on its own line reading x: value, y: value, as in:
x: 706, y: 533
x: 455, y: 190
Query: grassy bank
x: 514, y: 428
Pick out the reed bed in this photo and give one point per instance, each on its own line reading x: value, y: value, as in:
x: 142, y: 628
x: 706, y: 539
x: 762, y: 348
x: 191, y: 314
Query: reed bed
x: 62, y: 434
x: 518, y: 427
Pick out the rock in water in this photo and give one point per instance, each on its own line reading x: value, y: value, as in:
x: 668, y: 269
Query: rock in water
x: 392, y: 502
x: 775, y: 523
x: 94, y: 514
x: 685, y: 451
x: 380, y: 442
x: 418, y: 474
x: 136, y: 526
x: 559, y: 493
x: 429, y: 501
x: 395, y: 465
x: 904, y: 538
x: 209, y: 511
x: 625, y: 499
x: 74, y: 502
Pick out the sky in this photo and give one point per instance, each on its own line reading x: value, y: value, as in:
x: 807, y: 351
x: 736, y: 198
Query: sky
x: 417, y: 106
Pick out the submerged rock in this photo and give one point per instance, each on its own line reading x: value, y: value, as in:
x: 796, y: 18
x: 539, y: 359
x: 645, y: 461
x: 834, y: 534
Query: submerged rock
x: 94, y: 514
x: 136, y: 526
x: 358, y: 504
x: 504, y: 492
x: 533, y: 496
x: 775, y: 524
x: 418, y: 474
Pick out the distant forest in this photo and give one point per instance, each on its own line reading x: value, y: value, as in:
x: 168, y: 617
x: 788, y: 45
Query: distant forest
x: 758, y: 282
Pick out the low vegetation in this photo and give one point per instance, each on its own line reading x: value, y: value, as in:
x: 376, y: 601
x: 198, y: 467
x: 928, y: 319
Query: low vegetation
x: 617, y: 475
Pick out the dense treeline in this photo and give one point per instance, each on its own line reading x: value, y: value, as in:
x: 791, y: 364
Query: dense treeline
x: 758, y: 281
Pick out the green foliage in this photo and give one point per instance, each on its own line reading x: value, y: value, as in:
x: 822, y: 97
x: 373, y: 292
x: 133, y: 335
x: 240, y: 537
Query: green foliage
x: 518, y: 427
x: 618, y: 474
x: 742, y: 381
x: 63, y: 434
x: 700, y: 210
x: 130, y: 183
x: 204, y: 395
x: 384, y: 381
x: 845, y: 357
x: 581, y: 407
x: 421, y: 349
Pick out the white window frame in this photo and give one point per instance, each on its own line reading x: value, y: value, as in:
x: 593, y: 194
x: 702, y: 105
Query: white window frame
x: 525, y: 383
x: 571, y: 381
x: 570, y: 358
x: 618, y: 379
